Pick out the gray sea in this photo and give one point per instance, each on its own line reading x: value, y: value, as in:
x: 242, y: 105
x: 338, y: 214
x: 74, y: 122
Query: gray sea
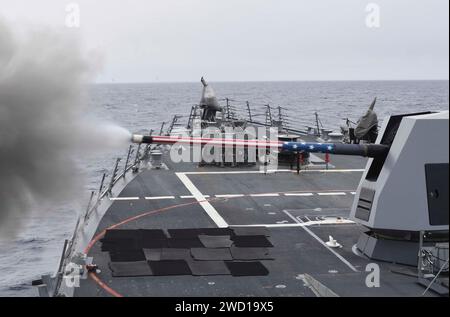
x: 141, y: 107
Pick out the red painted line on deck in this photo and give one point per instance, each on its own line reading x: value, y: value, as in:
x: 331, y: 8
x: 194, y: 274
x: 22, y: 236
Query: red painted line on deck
x: 94, y: 276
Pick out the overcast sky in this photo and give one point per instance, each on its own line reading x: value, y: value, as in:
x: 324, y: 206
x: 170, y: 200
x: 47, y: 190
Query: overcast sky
x: 239, y: 40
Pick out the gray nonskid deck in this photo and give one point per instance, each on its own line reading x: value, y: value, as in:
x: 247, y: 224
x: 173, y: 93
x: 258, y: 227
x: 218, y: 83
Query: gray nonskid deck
x: 298, y: 249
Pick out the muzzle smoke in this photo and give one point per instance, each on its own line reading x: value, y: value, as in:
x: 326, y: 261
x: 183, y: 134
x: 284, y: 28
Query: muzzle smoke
x: 43, y: 122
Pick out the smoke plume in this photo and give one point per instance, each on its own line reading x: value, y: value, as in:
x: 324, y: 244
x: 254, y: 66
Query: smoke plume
x: 43, y: 127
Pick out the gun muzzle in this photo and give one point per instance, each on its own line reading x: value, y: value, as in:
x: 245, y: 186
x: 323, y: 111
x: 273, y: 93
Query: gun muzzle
x: 141, y: 139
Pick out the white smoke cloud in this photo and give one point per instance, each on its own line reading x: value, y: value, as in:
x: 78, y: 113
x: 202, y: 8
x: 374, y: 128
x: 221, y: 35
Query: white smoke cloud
x: 44, y: 76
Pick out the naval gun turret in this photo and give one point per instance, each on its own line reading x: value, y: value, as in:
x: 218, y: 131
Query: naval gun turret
x: 405, y: 193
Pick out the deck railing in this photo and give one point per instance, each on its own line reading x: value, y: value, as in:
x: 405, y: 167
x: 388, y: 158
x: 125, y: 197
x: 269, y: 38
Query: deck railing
x: 256, y: 114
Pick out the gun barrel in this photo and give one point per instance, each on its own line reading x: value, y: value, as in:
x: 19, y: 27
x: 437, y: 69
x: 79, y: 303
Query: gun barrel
x: 366, y: 150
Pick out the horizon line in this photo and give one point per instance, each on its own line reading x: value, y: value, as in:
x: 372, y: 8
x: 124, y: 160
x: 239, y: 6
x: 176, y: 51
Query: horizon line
x: 262, y: 81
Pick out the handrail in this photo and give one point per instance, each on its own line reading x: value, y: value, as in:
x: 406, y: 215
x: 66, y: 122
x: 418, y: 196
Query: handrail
x: 100, y: 196
x: 435, y: 277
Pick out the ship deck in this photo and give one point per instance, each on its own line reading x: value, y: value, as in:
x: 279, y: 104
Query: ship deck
x: 300, y: 212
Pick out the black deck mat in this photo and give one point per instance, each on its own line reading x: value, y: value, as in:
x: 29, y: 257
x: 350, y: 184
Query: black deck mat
x: 153, y: 234
x: 119, y: 234
x: 175, y: 254
x: 208, y: 268
x: 184, y: 233
x: 251, y: 231
x: 153, y: 254
x: 247, y: 269
x: 216, y: 241
x: 130, y: 269
x: 185, y: 243
x: 121, y: 245
x: 193, y: 233
x: 251, y: 242
x: 217, y: 231
x: 127, y: 256
x: 150, y: 243
x: 203, y: 254
x: 251, y: 254
x: 135, y: 239
x: 171, y: 267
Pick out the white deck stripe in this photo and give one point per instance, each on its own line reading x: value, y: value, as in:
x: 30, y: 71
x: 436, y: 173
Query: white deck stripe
x: 273, y: 225
x: 288, y: 194
x: 192, y: 197
x: 123, y: 198
x: 299, y: 194
x: 340, y: 257
x: 237, y: 172
x: 209, y: 209
x: 230, y: 196
x: 277, y: 171
x: 331, y: 171
x: 237, y: 195
x: 160, y: 197
x: 265, y: 195
x: 298, y: 225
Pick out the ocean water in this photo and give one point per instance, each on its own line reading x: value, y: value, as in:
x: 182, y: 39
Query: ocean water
x: 141, y: 107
